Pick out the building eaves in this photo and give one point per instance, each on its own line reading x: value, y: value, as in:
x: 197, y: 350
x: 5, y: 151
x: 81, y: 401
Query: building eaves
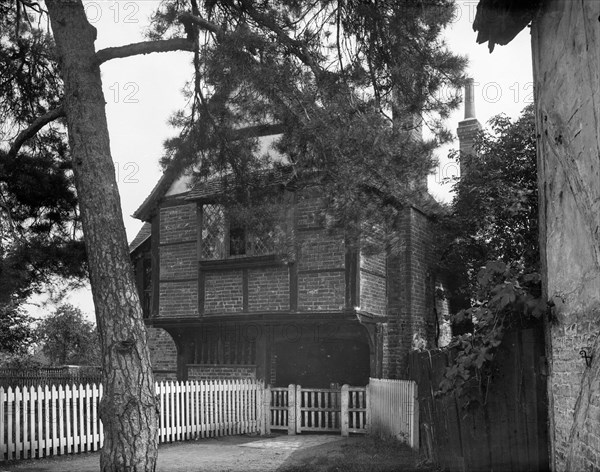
x: 499, y: 21
x: 143, y: 235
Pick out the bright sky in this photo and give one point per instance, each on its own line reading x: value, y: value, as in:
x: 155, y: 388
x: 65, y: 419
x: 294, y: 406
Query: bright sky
x: 142, y: 92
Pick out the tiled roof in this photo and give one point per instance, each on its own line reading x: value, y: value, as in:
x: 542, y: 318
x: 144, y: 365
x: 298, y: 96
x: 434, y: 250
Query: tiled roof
x: 142, y: 236
x: 215, y: 187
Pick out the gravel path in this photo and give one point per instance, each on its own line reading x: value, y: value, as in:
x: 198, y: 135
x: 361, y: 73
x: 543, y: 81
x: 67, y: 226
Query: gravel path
x: 231, y: 454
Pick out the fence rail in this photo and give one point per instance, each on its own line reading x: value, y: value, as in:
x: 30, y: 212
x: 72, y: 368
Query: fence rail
x: 39, y: 422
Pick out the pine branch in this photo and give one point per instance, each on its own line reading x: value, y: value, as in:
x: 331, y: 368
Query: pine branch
x: 33, y: 128
x: 296, y: 47
x: 258, y: 131
x: 145, y: 47
x: 187, y: 17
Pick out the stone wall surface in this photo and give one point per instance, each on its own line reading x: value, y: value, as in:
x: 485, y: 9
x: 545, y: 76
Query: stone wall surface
x: 566, y: 51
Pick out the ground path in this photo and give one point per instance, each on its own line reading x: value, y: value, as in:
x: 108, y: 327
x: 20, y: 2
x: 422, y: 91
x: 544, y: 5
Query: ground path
x: 231, y: 454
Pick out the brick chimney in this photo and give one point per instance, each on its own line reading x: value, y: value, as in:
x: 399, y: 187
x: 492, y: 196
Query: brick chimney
x: 470, y: 126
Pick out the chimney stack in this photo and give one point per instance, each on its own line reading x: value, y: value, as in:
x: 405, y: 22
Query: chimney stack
x: 470, y: 126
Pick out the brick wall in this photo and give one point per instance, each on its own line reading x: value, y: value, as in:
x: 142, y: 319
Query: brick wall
x: 220, y: 371
x: 320, y: 250
x: 178, y: 261
x: 321, y: 259
x: 163, y: 354
x: 308, y: 209
x: 178, y: 223
x: 268, y: 289
x: 178, y: 288
x: 410, y: 293
x: 373, y: 293
x: 373, y: 273
x: 223, y: 292
x: 178, y: 299
x: 323, y: 291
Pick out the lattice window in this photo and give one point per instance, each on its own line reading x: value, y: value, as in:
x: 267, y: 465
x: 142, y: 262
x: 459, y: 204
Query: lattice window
x: 260, y: 240
x: 222, y: 239
x: 213, y: 232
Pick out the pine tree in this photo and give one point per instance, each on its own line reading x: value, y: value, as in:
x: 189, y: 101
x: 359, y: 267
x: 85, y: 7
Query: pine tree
x: 346, y: 83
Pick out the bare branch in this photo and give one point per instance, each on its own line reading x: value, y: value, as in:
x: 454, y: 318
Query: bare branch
x: 33, y: 128
x: 145, y: 47
x: 187, y: 17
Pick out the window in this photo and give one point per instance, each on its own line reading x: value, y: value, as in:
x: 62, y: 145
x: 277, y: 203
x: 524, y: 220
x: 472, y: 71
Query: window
x: 237, y: 241
x: 213, y: 232
x: 223, y: 238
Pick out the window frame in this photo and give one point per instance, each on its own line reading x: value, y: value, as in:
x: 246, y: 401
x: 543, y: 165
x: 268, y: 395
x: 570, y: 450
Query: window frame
x: 249, y: 252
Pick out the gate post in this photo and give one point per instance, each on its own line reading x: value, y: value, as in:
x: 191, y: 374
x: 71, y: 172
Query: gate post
x: 291, y: 409
x: 266, y: 411
x: 368, y: 407
x: 345, y: 413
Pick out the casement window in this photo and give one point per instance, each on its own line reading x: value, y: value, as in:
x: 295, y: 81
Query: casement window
x: 223, y: 238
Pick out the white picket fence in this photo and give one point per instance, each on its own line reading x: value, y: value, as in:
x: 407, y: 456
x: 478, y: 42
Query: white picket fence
x: 44, y: 421
x: 394, y: 409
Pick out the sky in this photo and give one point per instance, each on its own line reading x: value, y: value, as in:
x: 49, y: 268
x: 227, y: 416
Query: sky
x: 142, y: 92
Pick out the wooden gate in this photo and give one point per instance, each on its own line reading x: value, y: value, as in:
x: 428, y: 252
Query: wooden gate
x: 334, y: 410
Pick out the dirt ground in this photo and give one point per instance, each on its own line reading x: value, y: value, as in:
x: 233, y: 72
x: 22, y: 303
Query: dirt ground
x: 231, y: 454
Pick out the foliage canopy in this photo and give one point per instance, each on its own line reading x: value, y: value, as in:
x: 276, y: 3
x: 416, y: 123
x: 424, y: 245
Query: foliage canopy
x: 40, y: 234
x: 346, y: 86
x: 66, y: 337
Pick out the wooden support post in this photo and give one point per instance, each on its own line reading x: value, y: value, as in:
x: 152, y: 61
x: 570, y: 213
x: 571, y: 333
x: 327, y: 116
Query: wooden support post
x: 345, y: 413
x: 292, y: 409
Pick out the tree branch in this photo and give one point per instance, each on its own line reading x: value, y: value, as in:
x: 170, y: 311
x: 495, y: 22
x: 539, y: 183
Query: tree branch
x: 33, y: 128
x: 258, y: 131
x: 296, y: 47
x: 145, y: 47
x: 187, y: 17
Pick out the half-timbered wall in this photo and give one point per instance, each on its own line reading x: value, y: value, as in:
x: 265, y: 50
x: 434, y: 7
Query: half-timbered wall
x: 178, y: 260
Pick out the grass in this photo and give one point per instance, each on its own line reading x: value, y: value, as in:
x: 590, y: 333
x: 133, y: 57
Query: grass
x: 357, y: 454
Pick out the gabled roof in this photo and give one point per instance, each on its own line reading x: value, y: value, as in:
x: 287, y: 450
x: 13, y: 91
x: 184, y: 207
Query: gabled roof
x: 142, y: 236
x: 215, y: 187
x: 170, y: 175
x: 176, y: 169
x: 203, y: 190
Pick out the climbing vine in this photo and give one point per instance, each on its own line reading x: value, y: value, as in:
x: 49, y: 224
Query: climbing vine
x: 507, y: 298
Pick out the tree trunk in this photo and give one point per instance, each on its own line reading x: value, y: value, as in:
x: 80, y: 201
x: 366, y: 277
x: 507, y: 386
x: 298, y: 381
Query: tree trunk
x: 128, y: 408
